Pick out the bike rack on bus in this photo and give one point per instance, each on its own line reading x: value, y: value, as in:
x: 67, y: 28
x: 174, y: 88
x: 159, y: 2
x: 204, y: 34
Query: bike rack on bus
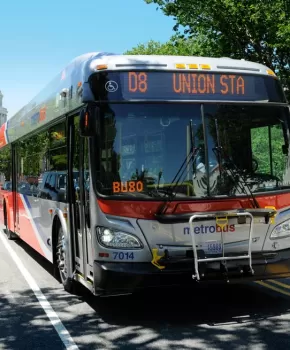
x: 221, y: 220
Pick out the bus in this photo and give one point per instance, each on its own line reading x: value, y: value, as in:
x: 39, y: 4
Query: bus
x: 132, y: 171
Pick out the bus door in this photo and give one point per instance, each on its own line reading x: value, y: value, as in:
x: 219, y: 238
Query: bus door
x: 21, y: 216
x: 79, y: 171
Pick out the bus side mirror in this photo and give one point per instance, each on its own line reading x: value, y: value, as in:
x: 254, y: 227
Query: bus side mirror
x: 88, y: 121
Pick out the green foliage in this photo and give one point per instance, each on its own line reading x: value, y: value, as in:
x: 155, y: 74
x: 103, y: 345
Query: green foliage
x: 261, y: 150
x: 256, y: 30
x: 175, y: 46
x: 5, y: 162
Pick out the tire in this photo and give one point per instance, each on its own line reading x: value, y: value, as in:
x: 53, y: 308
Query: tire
x: 68, y: 283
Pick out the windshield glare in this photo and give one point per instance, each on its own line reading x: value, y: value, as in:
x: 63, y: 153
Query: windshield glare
x: 225, y: 149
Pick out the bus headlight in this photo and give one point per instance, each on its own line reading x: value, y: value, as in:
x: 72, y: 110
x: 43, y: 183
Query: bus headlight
x: 281, y: 231
x: 117, y: 239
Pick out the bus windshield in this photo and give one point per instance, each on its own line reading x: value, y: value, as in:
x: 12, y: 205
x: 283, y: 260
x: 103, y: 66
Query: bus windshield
x: 143, y: 146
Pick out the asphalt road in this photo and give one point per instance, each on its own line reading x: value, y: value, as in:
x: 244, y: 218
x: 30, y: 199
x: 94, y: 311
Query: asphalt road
x: 225, y: 317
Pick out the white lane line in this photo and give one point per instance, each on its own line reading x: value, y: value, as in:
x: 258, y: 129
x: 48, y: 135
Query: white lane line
x: 51, y: 314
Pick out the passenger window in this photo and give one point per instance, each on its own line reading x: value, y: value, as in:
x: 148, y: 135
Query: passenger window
x: 57, y: 152
x: 30, y: 163
x: 5, y: 169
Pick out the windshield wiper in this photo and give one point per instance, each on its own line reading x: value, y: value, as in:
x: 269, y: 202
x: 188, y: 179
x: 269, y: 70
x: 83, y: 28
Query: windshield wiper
x: 242, y: 185
x: 190, y: 158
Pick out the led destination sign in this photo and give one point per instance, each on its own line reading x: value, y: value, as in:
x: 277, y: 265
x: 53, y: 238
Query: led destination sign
x: 189, y: 84
x: 153, y: 85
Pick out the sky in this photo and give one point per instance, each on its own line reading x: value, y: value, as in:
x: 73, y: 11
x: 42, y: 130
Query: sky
x: 39, y: 38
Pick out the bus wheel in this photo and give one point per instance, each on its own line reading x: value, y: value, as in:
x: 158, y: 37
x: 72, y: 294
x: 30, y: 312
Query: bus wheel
x: 61, y: 261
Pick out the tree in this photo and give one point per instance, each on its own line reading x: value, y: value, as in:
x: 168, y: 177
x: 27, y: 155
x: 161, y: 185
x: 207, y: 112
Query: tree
x: 256, y: 30
x: 175, y: 46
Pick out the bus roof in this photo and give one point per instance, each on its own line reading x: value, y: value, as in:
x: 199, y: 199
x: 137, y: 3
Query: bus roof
x: 73, y: 79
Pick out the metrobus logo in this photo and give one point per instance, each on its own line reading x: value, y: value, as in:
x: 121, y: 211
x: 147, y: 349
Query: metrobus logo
x: 203, y: 229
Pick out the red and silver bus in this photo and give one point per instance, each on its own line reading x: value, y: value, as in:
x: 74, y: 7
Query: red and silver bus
x: 135, y: 171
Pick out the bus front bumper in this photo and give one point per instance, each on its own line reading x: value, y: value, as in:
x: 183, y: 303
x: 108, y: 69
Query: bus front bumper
x: 120, y: 278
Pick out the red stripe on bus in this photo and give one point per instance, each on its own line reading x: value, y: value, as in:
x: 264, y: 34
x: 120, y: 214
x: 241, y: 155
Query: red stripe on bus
x: 7, y: 196
x: 3, y: 140
x: 27, y: 230
x: 147, y: 210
